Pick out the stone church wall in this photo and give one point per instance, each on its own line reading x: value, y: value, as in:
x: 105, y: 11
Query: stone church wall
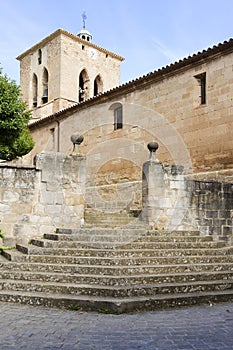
x: 166, y: 110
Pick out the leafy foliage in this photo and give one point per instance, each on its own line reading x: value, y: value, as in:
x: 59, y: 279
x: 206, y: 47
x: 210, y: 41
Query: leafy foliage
x: 15, y: 139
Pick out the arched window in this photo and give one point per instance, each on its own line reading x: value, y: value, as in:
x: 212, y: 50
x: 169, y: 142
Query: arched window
x: 34, y: 90
x: 45, y: 82
x: 118, y: 115
x: 98, y: 85
x: 39, y: 56
x: 83, y: 91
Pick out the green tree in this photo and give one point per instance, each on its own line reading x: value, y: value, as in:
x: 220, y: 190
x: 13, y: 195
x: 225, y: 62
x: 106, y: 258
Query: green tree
x: 15, y: 139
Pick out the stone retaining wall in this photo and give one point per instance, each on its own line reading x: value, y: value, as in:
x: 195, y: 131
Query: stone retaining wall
x: 213, y: 202
x: 174, y: 201
x: 37, y: 199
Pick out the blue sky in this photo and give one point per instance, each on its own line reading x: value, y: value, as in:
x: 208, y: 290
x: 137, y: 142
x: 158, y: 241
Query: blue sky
x: 150, y: 34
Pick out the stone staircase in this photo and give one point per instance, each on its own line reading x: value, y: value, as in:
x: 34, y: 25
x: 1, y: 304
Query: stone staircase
x: 100, y: 218
x: 118, y: 270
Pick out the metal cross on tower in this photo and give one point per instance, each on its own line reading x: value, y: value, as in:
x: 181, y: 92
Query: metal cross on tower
x: 84, y: 16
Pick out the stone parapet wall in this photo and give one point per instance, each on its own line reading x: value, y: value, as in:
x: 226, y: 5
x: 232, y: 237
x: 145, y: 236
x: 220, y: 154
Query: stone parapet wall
x: 174, y: 201
x: 18, y: 195
x: 213, y: 203
x: 54, y: 193
x: 36, y: 200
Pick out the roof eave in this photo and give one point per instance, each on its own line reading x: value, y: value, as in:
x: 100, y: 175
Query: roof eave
x: 145, y: 80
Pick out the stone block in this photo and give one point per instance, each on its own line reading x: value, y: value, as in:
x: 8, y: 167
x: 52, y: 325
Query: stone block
x: 224, y: 214
x: 23, y: 232
x: 4, y: 208
x: 211, y: 214
x: 53, y: 186
x: 73, y: 199
x: 204, y: 230
x: 47, y: 197
x: 69, y: 210
x: 7, y: 173
x: 45, y: 228
x: 219, y: 222
x: 179, y: 185
x: 167, y: 203
x: 53, y: 210
x: 227, y: 230
x: 59, y: 198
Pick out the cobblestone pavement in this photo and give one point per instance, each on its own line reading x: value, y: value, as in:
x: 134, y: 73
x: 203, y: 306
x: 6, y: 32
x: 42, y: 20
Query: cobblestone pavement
x: 200, y: 327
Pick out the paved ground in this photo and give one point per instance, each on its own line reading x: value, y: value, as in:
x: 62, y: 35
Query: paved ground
x: 202, y: 328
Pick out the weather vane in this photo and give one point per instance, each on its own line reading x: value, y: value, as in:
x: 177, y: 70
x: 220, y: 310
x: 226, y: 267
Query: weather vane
x: 84, y: 16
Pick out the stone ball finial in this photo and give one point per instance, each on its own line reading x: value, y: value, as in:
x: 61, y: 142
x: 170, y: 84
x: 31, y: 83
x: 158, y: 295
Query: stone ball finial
x: 77, y: 139
x: 152, y: 146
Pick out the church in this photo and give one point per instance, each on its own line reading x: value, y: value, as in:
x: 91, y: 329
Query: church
x: 125, y: 203
x: 72, y: 86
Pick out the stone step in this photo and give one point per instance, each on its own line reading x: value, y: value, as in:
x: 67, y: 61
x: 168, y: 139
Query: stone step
x: 133, y: 243
x: 115, y: 305
x: 129, y: 231
x: 146, y: 237
x: 93, y: 215
x: 111, y: 214
x: 120, y: 268
x: 124, y: 280
x: 117, y: 291
x: 106, y: 253
x: 114, y: 214
x: 111, y: 222
x: 83, y: 238
x: 14, y: 255
x: 175, y: 245
x: 143, y: 241
x: 174, y: 238
x: 115, y: 270
x: 117, y: 240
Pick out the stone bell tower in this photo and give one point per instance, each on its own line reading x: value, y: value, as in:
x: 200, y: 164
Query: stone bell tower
x: 64, y: 69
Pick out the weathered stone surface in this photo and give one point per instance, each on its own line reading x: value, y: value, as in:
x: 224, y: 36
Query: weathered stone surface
x: 213, y: 202
x: 36, y: 200
x: 140, y: 270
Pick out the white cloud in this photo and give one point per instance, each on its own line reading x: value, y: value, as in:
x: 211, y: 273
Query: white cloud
x: 172, y: 56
